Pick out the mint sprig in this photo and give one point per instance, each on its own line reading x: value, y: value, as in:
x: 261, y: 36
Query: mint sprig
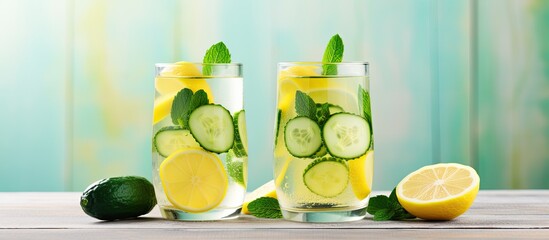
x: 332, y: 54
x: 387, y: 208
x: 184, y: 103
x: 306, y: 106
x: 265, y: 207
x: 217, y: 53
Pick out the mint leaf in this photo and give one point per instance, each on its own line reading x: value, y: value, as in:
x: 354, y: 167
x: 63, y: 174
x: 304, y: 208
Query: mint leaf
x: 199, y: 98
x: 217, y: 53
x: 401, y: 214
x: 387, y: 208
x: 305, y: 105
x: 384, y: 215
x: 332, y: 54
x: 377, y: 203
x: 322, y: 113
x: 265, y: 207
x: 180, y: 107
x: 184, y: 103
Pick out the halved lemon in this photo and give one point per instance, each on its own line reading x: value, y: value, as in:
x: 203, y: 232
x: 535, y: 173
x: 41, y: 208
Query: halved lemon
x: 439, y: 192
x: 194, y: 180
x: 162, y: 107
x: 266, y: 190
x: 361, y: 172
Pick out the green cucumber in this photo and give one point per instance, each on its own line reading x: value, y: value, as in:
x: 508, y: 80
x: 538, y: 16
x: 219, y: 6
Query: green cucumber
x: 240, y: 146
x: 326, y: 177
x: 212, y: 127
x: 346, y: 135
x: 236, y: 167
x: 277, y: 130
x: 302, y: 137
x: 335, y: 109
x: 169, y: 139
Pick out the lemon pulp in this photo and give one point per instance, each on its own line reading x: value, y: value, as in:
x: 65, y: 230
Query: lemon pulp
x: 194, y: 180
x: 439, y: 192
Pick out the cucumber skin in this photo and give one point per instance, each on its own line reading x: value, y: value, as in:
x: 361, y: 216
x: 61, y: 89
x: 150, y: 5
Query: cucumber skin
x: 164, y: 129
x: 313, y: 155
x: 345, y: 158
x: 206, y: 147
x: 324, y: 159
x: 278, y: 117
x: 238, y: 146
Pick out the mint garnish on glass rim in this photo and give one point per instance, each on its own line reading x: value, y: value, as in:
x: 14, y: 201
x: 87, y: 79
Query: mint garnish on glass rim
x: 332, y: 54
x: 217, y: 53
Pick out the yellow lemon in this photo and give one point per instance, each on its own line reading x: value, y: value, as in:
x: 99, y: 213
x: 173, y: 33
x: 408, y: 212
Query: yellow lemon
x: 162, y: 107
x: 361, y: 172
x: 194, y: 180
x: 266, y: 190
x: 439, y: 192
x: 176, y: 77
x: 339, y: 97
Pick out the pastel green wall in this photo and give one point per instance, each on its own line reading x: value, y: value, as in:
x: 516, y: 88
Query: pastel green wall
x: 451, y: 81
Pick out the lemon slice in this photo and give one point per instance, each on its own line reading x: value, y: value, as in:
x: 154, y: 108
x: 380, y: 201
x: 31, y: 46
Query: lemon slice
x: 194, y: 180
x: 266, y: 190
x: 170, y: 80
x: 361, y: 172
x: 162, y: 107
x: 439, y: 192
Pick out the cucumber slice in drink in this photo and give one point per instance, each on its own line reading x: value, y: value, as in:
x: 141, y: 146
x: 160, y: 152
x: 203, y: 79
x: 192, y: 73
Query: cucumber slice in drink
x: 236, y: 168
x: 172, y: 138
x: 346, y: 135
x: 278, y: 117
x: 335, y: 109
x: 240, y: 147
x: 327, y: 177
x: 212, y: 127
x: 303, y: 137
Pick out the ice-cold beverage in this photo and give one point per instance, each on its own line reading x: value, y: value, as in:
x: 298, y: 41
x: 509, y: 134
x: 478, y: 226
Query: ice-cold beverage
x: 324, y: 143
x: 199, y: 141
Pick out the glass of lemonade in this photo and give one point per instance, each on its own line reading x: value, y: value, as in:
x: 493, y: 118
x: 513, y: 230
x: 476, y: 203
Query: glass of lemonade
x: 199, y: 141
x: 323, y: 155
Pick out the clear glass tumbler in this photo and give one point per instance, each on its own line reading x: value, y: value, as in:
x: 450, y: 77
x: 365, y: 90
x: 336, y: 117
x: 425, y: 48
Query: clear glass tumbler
x: 323, y: 154
x: 199, y: 141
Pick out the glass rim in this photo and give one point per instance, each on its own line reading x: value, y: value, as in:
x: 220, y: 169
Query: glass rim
x: 199, y: 63
x: 322, y: 63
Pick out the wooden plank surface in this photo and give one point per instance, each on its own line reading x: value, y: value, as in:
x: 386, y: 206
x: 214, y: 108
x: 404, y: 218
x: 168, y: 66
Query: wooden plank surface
x: 83, y: 234
x: 54, y: 215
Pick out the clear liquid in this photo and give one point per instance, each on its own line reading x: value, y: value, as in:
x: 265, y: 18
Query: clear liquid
x: 228, y: 93
x: 292, y: 192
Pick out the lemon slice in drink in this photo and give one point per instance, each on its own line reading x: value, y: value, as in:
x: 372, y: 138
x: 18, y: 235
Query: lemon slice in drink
x: 162, y: 107
x: 170, y: 80
x: 266, y: 190
x: 194, y: 180
x: 439, y: 192
x: 361, y: 173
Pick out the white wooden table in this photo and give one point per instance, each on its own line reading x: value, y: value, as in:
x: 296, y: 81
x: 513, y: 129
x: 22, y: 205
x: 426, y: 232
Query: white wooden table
x: 510, y: 214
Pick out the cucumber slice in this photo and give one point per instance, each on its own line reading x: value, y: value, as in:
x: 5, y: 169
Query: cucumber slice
x: 335, y: 109
x: 278, y: 117
x: 172, y: 138
x: 346, y: 135
x: 327, y: 177
x: 236, y: 168
x: 302, y: 136
x: 240, y: 147
x: 212, y: 127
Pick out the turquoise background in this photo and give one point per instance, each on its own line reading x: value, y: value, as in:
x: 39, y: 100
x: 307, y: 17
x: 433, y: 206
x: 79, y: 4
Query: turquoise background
x: 451, y: 81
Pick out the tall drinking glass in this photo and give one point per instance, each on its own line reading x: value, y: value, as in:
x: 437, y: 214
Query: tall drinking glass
x: 323, y: 155
x: 199, y: 141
